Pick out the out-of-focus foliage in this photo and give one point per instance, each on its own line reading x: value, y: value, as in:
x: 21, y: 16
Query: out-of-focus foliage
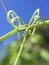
x: 35, y: 50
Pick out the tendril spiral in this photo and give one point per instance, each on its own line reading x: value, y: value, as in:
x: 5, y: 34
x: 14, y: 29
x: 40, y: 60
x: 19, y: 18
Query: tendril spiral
x: 34, y: 20
x: 14, y: 19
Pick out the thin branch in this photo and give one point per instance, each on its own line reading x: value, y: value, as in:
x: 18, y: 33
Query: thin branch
x: 18, y: 29
x: 17, y: 58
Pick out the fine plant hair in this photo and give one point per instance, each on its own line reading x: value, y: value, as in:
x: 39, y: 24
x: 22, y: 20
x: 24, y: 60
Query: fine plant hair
x: 19, y: 25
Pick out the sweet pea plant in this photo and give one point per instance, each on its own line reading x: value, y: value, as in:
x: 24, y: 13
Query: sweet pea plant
x: 19, y: 25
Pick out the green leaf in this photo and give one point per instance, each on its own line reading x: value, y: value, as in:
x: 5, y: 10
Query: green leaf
x: 44, y: 54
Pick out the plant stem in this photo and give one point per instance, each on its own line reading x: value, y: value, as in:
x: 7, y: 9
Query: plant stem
x: 18, y: 29
x: 25, y: 35
x: 17, y: 58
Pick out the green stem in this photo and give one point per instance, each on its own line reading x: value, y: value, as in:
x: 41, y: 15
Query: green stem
x: 17, y: 58
x: 18, y: 29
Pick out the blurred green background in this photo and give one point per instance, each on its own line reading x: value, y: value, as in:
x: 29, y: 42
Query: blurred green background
x: 35, y: 50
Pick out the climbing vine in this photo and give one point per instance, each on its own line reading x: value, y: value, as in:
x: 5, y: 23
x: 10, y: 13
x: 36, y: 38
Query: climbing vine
x: 19, y: 25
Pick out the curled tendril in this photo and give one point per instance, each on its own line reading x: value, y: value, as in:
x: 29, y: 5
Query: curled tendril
x: 14, y: 18
x: 34, y: 20
x: 36, y: 13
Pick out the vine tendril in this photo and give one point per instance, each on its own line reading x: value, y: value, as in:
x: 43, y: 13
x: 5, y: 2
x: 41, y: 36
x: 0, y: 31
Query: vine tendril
x: 13, y: 17
x: 5, y: 8
x: 34, y: 20
x: 14, y: 20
